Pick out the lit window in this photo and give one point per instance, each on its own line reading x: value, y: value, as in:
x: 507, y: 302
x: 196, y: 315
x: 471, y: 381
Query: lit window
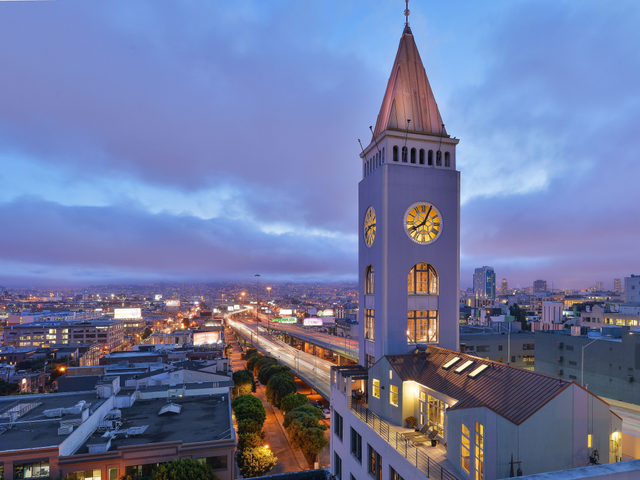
x: 422, y: 326
x: 369, y: 324
x: 465, y: 457
x: 393, y: 395
x: 464, y: 366
x: 479, y: 451
x: 376, y: 388
x: 422, y: 280
x: 369, y: 281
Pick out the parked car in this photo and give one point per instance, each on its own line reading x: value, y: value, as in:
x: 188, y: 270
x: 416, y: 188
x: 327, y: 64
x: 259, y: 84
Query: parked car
x: 319, y: 404
x: 326, y: 413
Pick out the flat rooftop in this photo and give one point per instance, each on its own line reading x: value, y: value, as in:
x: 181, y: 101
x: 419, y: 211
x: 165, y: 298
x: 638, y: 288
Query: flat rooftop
x: 33, y: 429
x: 201, y: 419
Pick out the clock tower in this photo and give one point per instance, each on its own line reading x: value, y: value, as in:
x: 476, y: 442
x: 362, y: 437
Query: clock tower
x: 409, y: 219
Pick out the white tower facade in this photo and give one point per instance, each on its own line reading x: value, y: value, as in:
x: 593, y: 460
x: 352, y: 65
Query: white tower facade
x: 409, y: 210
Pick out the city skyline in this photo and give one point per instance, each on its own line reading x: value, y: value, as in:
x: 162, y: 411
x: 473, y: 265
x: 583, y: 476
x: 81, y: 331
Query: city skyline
x: 125, y: 153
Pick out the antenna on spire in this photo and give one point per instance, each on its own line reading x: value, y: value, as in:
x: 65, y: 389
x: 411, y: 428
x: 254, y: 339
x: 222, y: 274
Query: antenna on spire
x: 407, y: 12
x: 361, y: 147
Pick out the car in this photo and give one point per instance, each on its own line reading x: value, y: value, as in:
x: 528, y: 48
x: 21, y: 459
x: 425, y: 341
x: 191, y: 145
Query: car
x: 326, y: 413
x: 319, y: 404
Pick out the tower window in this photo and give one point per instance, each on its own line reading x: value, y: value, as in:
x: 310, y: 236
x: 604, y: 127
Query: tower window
x: 369, y: 324
x: 438, y: 158
x: 422, y: 280
x: 422, y: 326
x: 395, y: 153
x: 413, y: 155
x: 447, y: 159
x: 369, y: 281
x: 430, y: 160
x: 404, y: 154
x: 422, y: 156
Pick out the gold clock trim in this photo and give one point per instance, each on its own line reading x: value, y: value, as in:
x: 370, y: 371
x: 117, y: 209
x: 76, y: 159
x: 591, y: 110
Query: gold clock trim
x: 369, y: 226
x: 423, y: 223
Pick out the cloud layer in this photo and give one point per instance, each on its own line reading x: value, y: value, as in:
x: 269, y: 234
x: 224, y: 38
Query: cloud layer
x: 196, y: 141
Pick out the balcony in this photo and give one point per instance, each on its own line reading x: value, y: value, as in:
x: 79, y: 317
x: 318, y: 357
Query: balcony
x: 432, y: 461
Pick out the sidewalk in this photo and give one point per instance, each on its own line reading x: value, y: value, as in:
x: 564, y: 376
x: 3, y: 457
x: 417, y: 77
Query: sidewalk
x: 276, y: 436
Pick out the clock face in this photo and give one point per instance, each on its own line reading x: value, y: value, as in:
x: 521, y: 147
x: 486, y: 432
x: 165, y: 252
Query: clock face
x: 369, y: 226
x: 423, y: 223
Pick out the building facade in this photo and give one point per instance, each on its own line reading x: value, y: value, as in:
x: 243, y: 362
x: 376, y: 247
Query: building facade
x: 539, y: 286
x: 484, y: 283
x: 108, y: 333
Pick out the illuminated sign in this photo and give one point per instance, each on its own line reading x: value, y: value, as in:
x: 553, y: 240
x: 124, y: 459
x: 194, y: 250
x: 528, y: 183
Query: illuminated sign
x: 285, y: 320
x: 312, y: 322
x: 120, y: 313
x: 158, y: 296
x: 328, y: 320
x: 286, y: 311
x: 326, y: 313
x: 172, y: 303
x: 236, y: 307
x: 205, y: 338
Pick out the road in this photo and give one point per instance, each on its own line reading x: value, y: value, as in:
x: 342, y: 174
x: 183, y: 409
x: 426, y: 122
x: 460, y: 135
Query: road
x: 313, y: 370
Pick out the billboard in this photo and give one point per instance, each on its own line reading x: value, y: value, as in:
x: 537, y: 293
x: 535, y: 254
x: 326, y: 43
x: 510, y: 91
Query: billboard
x: 172, y: 303
x: 312, y: 322
x: 205, y: 338
x: 326, y: 313
x: 326, y: 320
x: 286, y: 311
x: 120, y: 313
x: 158, y: 296
x: 285, y: 320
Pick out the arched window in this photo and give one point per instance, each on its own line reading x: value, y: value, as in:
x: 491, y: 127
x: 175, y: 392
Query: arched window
x: 422, y: 156
x: 422, y: 326
x: 438, y: 158
x: 369, y: 281
x: 382, y: 154
x: 395, y: 153
x: 422, y: 280
x: 430, y: 157
x: 413, y: 155
x: 447, y: 159
x: 404, y: 154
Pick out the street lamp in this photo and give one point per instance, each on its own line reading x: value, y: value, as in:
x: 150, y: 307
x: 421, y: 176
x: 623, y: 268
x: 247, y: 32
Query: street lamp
x: 582, y: 363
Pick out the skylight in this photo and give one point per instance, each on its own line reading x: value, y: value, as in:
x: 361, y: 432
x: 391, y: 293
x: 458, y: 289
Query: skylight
x: 464, y: 366
x: 450, y: 363
x: 478, y: 371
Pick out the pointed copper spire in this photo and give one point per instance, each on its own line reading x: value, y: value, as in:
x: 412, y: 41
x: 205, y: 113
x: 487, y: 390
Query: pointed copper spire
x: 408, y: 95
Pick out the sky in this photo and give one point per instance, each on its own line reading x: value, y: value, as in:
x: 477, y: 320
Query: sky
x: 211, y: 140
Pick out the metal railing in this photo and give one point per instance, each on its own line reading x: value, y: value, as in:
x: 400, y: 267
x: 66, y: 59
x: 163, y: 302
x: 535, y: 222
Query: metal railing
x: 406, y: 448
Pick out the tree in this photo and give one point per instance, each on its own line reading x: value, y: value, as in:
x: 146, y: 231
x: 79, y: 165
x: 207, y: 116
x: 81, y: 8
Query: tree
x: 183, y: 469
x: 248, y: 407
x: 248, y: 425
x: 292, y: 401
x: 249, y: 441
x: 261, y: 363
x: 256, y: 462
x: 520, y: 316
x: 269, y: 371
x: 251, y: 351
x: 279, y: 386
x: 310, y: 440
x: 147, y: 332
x: 7, y: 388
x: 314, y: 414
x: 251, y: 360
x: 243, y: 380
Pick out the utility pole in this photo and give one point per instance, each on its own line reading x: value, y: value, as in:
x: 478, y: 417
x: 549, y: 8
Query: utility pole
x: 582, y: 363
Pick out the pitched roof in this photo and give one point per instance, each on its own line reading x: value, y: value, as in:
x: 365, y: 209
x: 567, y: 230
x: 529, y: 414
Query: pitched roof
x: 408, y: 94
x: 512, y: 392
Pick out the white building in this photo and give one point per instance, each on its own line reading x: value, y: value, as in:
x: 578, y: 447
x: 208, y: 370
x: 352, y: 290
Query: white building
x: 477, y: 413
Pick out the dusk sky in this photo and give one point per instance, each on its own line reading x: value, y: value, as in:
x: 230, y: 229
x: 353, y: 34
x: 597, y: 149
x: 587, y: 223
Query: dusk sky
x: 213, y: 140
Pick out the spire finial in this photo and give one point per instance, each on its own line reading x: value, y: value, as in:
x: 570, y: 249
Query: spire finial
x: 407, y: 12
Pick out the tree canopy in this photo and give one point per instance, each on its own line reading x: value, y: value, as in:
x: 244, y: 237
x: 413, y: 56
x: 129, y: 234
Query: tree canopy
x: 280, y: 385
x: 243, y: 382
x: 248, y: 407
x: 249, y: 440
x: 261, y: 363
x: 293, y: 400
x: 269, y: 371
x: 251, y: 360
x: 184, y: 470
x: 255, y: 462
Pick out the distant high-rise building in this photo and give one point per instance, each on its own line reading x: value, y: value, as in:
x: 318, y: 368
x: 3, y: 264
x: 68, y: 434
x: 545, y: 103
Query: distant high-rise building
x: 632, y: 288
x: 539, y: 286
x: 505, y: 287
x: 484, y: 283
x: 617, y: 285
x: 598, y: 286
